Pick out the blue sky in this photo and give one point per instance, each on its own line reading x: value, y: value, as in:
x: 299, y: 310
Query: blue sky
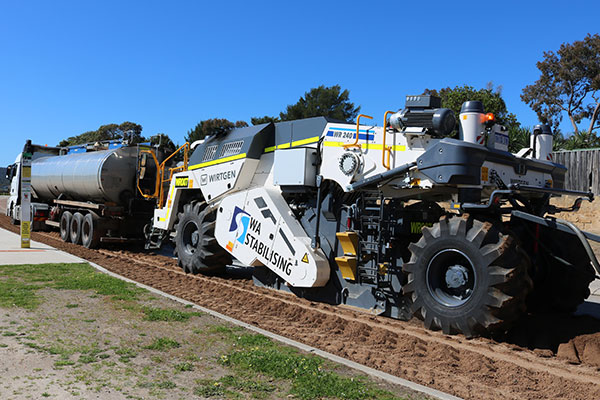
x: 68, y: 67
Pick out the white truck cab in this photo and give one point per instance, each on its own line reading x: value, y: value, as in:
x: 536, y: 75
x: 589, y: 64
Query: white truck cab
x: 39, y: 211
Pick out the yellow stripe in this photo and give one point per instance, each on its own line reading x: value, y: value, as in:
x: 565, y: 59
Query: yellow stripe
x: 334, y: 144
x: 305, y: 141
x: 219, y: 161
x: 366, y: 146
x: 314, y: 139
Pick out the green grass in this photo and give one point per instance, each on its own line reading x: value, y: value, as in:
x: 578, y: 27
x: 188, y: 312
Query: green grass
x: 160, y: 314
x: 18, y: 294
x: 184, y: 366
x: 166, y: 385
x: 62, y: 363
x: 309, y: 376
x: 162, y: 344
x: 126, y: 354
x: 19, y: 283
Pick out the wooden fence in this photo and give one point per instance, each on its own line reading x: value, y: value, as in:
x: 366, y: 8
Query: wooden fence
x: 583, y: 169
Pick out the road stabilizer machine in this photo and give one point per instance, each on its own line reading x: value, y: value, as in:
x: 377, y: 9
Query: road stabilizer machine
x: 398, y: 219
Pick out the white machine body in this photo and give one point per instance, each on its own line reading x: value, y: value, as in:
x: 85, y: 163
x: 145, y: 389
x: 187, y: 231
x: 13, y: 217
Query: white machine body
x: 255, y: 223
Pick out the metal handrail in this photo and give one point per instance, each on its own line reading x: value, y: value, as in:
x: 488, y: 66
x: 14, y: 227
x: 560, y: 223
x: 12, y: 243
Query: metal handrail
x: 159, y: 191
x: 161, y: 174
x: 355, y: 144
x: 386, y: 149
x: 156, y: 186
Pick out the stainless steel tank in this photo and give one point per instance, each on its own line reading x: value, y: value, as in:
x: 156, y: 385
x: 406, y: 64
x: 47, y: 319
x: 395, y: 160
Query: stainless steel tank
x: 97, y: 176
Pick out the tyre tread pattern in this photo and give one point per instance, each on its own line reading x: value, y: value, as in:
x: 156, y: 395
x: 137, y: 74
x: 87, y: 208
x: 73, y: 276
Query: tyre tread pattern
x: 209, y: 256
x: 507, y: 277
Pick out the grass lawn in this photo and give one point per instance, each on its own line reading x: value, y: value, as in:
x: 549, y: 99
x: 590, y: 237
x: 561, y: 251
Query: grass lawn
x: 68, y: 331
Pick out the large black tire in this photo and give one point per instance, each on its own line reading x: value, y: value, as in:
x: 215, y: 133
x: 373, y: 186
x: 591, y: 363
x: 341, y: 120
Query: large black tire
x: 75, y: 230
x: 562, y: 274
x: 196, y: 248
x: 465, y: 276
x: 90, y: 231
x: 65, y: 226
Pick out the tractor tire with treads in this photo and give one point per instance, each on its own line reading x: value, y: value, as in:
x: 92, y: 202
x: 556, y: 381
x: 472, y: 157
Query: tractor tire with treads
x: 196, y: 248
x: 465, y: 276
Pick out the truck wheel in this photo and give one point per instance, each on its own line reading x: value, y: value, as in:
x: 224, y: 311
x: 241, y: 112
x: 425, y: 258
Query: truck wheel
x: 75, y: 231
x: 196, y: 248
x: 464, y: 276
x: 562, y: 274
x: 90, y: 231
x: 65, y: 226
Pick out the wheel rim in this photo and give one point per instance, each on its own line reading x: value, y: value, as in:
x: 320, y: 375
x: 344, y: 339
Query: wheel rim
x: 191, y: 237
x: 451, y: 277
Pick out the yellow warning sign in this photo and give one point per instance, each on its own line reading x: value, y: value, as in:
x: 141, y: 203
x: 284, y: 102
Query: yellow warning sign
x: 305, y: 258
x: 484, y: 173
x: 25, y: 234
x: 26, y: 172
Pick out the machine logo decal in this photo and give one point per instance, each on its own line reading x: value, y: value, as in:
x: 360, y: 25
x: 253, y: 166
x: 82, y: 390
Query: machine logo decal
x: 247, y: 231
x: 239, y: 224
x: 203, y: 180
x: 182, y: 181
x: 344, y: 133
x: 222, y: 176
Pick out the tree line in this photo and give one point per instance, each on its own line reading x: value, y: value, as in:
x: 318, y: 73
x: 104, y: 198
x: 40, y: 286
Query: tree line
x: 569, y: 83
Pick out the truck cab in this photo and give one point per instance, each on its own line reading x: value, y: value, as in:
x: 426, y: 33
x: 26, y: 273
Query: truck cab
x: 39, y: 212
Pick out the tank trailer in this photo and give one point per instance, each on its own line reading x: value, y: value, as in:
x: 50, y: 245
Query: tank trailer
x: 397, y: 219
x: 92, y: 193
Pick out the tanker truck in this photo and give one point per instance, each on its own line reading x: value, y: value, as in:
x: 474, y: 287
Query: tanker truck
x: 93, y: 193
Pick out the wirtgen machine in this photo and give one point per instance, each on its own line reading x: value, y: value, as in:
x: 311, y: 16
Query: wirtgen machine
x: 351, y: 214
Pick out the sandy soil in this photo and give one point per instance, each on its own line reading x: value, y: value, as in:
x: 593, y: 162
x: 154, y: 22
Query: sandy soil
x: 547, y: 357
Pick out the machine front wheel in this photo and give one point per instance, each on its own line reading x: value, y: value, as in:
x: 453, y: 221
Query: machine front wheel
x: 465, y: 276
x: 196, y: 248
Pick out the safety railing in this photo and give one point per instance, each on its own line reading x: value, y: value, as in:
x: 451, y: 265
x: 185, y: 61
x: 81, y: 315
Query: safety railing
x: 355, y: 144
x: 159, y: 188
x: 387, y: 150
